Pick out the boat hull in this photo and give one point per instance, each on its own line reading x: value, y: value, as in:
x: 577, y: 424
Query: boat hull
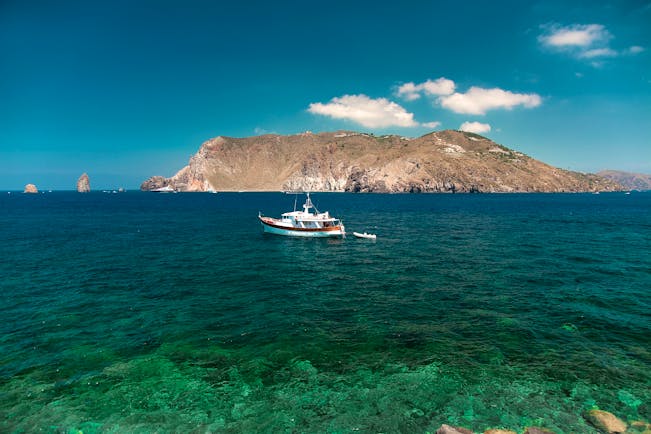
x: 270, y: 228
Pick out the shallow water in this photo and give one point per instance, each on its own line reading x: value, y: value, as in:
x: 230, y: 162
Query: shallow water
x: 174, y: 312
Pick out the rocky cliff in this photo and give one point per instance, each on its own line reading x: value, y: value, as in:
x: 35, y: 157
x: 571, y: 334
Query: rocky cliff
x: 628, y: 180
x: 83, y: 184
x: 445, y: 161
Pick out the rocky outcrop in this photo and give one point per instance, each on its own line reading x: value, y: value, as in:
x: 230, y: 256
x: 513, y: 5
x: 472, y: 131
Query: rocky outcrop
x: 499, y: 431
x: 154, y: 183
x: 445, y: 161
x: 83, y: 184
x: 605, y: 422
x: 30, y: 188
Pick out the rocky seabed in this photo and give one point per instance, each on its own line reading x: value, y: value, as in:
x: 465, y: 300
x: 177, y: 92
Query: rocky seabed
x: 603, y: 421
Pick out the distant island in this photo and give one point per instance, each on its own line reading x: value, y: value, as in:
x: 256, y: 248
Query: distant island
x: 628, y: 180
x: 347, y: 161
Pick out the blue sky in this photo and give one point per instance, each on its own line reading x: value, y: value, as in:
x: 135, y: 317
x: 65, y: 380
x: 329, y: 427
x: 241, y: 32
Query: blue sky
x: 128, y: 89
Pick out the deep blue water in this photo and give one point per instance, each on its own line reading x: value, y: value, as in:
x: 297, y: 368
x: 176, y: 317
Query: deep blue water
x: 140, y: 312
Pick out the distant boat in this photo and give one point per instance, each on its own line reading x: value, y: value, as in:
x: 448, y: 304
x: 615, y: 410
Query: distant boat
x: 166, y: 189
x: 365, y: 235
x: 304, y: 223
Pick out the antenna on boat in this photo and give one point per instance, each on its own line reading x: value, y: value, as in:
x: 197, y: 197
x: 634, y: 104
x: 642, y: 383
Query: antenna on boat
x: 295, y: 199
x: 308, y: 204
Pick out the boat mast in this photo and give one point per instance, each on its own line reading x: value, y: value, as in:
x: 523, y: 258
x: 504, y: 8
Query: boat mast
x: 308, y: 203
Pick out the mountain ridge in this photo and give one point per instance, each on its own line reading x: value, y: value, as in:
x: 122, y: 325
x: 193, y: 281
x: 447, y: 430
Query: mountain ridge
x: 443, y: 161
x: 628, y: 180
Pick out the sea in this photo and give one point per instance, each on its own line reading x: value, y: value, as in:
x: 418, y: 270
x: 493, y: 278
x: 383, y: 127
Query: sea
x: 141, y: 312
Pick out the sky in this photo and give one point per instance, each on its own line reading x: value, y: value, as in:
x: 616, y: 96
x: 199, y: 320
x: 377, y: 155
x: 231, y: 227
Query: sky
x: 125, y: 90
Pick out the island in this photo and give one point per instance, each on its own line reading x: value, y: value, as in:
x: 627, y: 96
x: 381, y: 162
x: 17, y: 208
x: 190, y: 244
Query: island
x: 441, y: 162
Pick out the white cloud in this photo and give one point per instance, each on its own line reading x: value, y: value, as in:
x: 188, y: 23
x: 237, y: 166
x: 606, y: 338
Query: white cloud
x: 583, y: 41
x: 368, y: 112
x: 408, y: 91
x: 435, y: 124
x: 440, y: 86
x: 475, y: 127
x: 575, y: 35
x: 259, y: 131
x: 477, y: 100
x: 411, y: 91
x: 598, y: 52
x: 635, y: 49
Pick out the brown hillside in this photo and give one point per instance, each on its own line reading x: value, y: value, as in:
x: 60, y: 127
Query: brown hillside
x: 445, y: 161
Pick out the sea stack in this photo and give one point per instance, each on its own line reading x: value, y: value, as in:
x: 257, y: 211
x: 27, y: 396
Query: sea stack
x: 83, y: 184
x: 30, y: 188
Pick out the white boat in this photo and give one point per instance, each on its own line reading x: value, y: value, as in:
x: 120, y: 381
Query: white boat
x: 365, y: 235
x: 304, y: 223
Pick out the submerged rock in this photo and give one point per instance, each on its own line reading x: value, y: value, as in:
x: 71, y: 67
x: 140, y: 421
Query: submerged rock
x: 447, y: 429
x: 537, y: 430
x: 605, y: 422
x: 641, y: 426
x: 30, y: 188
x: 83, y: 183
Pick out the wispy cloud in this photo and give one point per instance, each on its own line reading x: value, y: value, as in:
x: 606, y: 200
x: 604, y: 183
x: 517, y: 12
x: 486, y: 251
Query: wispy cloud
x: 368, y: 112
x: 478, y: 100
x: 583, y: 41
x: 598, y: 52
x: 432, y: 125
x: 259, y: 131
x: 411, y: 91
x: 475, y: 127
x: 635, y: 49
x: 575, y: 35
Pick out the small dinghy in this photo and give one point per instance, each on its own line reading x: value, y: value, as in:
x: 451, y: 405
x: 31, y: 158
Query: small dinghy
x: 365, y: 235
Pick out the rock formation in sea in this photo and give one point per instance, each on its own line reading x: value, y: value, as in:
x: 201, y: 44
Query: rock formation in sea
x: 444, y: 161
x: 83, y: 184
x: 30, y: 188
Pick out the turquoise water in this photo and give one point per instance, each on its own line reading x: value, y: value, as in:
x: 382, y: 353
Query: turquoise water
x: 139, y: 312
